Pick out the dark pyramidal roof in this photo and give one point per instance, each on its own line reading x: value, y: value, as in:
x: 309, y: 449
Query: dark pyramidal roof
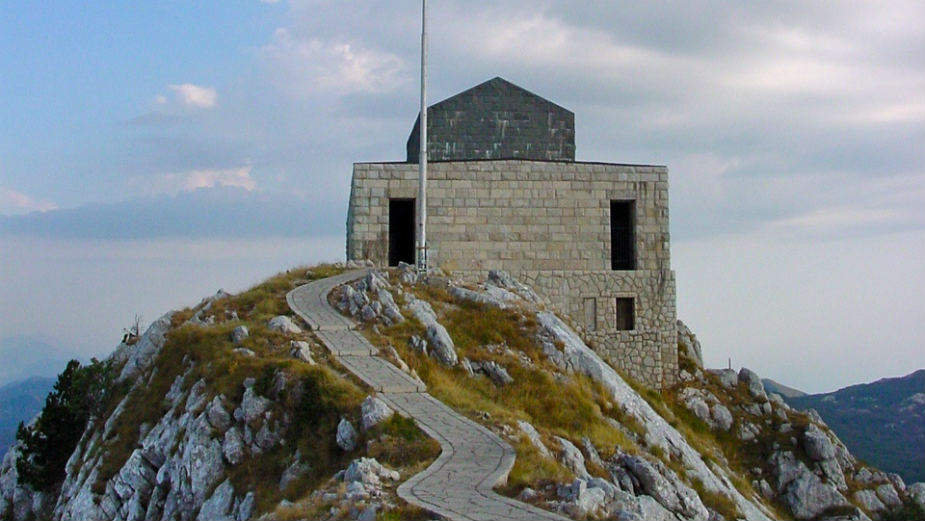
x: 496, y: 120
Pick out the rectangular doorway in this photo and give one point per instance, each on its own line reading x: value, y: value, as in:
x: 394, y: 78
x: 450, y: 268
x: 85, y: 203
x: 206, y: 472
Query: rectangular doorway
x: 401, y: 231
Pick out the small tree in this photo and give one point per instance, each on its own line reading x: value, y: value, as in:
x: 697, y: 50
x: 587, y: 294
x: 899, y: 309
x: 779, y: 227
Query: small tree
x: 79, y: 396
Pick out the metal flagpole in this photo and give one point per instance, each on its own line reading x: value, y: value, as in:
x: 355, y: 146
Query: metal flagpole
x: 422, y: 158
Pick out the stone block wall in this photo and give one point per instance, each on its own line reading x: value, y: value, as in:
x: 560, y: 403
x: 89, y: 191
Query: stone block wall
x: 548, y: 224
x: 496, y: 120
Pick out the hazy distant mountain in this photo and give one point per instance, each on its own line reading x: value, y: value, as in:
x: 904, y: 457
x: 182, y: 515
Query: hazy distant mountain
x: 776, y: 387
x: 27, y: 356
x: 20, y: 401
x: 212, y: 212
x: 883, y: 422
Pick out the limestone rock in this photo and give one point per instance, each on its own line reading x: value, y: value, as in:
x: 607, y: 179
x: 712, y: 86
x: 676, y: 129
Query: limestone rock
x: 722, y: 418
x: 897, y: 481
x: 467, y: 367
x: 869, y: 501
x: 356, y: 490
x: 139, y: 356
x: 218, y: 416
x: 817, y: 444
x: 398, y: 359
x: 887, y: 493
x: 373, y: 411
x: 346, y: 435
x: 807, y: 497
x: 590, y: 501
x: 576, y: 356
x: 389, y: 308
x: 301, y: 350
x: 534, y: 438
x: 346, y: 300
x: 696, y: 403
x: 528, y: 494
x: 245, y: 509
x: 266, y: 438
x: 687, y: 337
x: 492, y: 370
x: 218, y: 506
x: 196, y: 398
x: 753, y: 381
x: 418, y: 344
x: 252, y: 406
x: 785, y: 468
x: 916, y: 492
x: 233, y: 447
x: 833, y: 474
x: 571, y: 491
x: 474, y: 296
x: 572, y: 458
x: 283, y: 324
x: 368, y: 313
x: 376, y: 282
x: 747, y: 431
x: 293, y: 471
x: 441, y: 345
x: 592, y: 452
x: 670, y: 493
x: 727, y: 377
x: 239, y: 334
x: 369, y: 472
x: 502, y: 279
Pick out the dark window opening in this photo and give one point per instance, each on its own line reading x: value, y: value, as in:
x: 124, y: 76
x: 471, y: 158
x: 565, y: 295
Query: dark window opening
x: 623, y: 235
x: 626, y: 314
x: 401, y: 231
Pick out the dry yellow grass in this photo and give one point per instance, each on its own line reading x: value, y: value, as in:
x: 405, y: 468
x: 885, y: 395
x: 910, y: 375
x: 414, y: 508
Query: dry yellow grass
x: 315, y: 400
x: 557, y: 404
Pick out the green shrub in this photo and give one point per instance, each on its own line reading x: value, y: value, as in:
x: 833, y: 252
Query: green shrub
x: 79, y: 395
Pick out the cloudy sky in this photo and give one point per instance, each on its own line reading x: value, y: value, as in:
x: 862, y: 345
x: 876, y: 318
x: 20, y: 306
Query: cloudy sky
x: 151, y: 153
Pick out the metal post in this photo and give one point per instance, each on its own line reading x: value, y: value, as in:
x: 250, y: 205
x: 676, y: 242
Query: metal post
x: 422, y: 158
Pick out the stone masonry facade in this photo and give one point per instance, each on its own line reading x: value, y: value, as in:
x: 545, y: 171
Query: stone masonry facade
x: 547, y: 223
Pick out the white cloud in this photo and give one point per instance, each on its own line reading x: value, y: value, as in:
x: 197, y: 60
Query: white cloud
x: 194, y: 95
x: 269, y: 1
x: 174, y: 183
x: 304, y: 66
x: 839, y: 218
x: 13, y: 202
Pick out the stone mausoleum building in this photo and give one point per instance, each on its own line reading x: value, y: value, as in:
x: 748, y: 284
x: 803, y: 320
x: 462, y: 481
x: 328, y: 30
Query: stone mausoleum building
x: 505, y: 192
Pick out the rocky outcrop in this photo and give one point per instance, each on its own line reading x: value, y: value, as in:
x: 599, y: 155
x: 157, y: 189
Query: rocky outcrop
x: 346, y: 435
x: 184, y: 462
x: 439, y: 341
x: 283, y: 324
x: 687, y: 338
x: 574, y: 355
x: 374, y: 412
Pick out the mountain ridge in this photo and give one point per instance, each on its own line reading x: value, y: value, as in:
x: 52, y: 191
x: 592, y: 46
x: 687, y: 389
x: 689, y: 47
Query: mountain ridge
x: 883, y: 422
x: 230, y: 409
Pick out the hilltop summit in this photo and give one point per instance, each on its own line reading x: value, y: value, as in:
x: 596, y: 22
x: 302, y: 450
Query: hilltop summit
x: 233, y: 410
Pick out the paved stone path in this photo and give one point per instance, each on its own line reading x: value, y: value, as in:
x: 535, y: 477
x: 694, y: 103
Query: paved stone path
x: 458, y: 485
